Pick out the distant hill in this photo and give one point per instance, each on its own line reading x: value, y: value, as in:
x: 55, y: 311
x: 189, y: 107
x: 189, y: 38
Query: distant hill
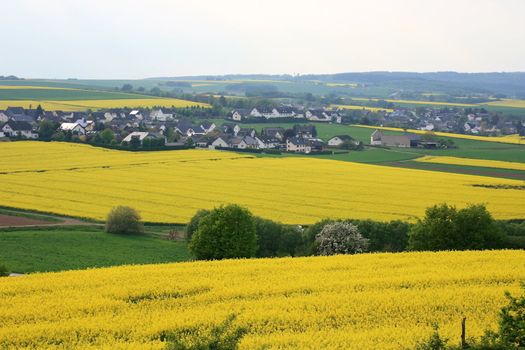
x: 511, y: 84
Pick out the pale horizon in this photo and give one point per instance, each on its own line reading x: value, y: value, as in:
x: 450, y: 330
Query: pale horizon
x: 123, y: 40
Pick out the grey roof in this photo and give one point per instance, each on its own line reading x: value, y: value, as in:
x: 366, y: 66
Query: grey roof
x: 19, y: 125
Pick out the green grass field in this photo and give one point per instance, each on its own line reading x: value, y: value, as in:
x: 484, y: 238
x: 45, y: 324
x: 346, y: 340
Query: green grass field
x: 465, y: 148
x: 64, y: 95
x: 68, y: 248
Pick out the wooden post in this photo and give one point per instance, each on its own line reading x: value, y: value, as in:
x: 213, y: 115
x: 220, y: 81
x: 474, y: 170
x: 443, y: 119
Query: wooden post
x: 463, y: 333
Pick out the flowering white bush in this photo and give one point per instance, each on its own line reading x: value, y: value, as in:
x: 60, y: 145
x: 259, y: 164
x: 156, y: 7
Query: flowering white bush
x: 340, y: 238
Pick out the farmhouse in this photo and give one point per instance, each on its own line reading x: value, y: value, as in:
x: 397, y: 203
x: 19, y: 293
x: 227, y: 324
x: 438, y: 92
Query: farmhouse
x: 339, y: 140
x: 159, y: 115
x: 378, y: 138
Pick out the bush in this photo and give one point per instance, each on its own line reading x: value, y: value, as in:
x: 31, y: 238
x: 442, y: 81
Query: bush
x: 3, y: 271
x: 446, y: 228
x: 192, y: 226
x: 124, y: 220
x: 383, y: 236
x: 340, y: 238
x: 275, y: 239
x: 226, y: 232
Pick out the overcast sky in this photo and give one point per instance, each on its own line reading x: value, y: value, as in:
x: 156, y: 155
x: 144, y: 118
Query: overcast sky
x: 146, y: 38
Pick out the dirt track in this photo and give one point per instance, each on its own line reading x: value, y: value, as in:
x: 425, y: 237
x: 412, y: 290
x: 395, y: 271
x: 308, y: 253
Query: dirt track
x: 20, y: 221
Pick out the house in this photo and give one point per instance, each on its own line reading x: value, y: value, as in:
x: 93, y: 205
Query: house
x: 238, y: 114
x: 22, y: 118
x: 378, y: 138
x: 136, y: 114
x: 208, y: 126
x: 159, y: 115
x: 246, y: 132
x: 14, y: 111
x: 220, y: 142
x: 74, y: 128
x: 305, y: 131
x: 202, y: 141
x: 266, y: 142
x: 13, y: 128
x: 318, y: 115
x: 274, y: 133
x: 262, y: 112
x: 302, y: 145
x: 229, y: 128
x: 141, y: 136
x: 187, y: 129
x: 339, y: 140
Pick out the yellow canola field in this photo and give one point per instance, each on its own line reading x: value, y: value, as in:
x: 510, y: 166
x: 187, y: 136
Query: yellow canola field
x: 472, y: 162
x: 416, y: 102
x: 81, y: 105
x: 508, y: 103
x: 514, y: 139
x: 373, y: 109
x: 368, y: 301
x: 170, y: 186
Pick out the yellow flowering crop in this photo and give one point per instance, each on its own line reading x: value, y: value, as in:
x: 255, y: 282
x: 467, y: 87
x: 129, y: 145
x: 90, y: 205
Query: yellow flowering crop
x: 80, y: 105
x: 515, y: 139
x: 368, y: 301
x: 471, y: 162
x: 170, y: 186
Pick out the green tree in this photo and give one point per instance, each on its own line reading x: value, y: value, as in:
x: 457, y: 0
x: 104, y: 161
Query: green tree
x: 46, y: 129
x: 192, y: 226
x: 3, y: 270
x: 226, y: 232
x: 107, y: 136
x: 134, y: 142
x: 127, y: 87
x: 124, y: 220
x: 444, y: 228
x: 268, y: 235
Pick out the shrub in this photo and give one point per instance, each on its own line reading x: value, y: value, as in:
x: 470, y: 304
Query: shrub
x: 3, y: 271
x: 192, y: 226
x: 124, y: 220
x: 340, y: 238
x: 226, y: 232
x: 446, y: 228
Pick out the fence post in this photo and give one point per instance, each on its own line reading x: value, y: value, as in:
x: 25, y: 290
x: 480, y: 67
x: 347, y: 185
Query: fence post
x: 463, y: 333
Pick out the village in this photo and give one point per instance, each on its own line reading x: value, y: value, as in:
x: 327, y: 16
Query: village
x: 165, y: 127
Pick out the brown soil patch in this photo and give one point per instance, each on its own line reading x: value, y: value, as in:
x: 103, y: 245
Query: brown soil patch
x: 12, y: 221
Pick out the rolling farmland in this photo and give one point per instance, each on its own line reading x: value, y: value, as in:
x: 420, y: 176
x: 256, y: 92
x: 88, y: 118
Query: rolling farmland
x: 368, y: 301
x: 171, y: 186
x: 472, y: 162
x: 62, y: 97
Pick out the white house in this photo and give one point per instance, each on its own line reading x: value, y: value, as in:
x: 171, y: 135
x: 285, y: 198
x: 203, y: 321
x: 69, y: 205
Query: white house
x: 136, y: 114
x: 338, y: 140
x: 219, y: 142
x: 141, y: 135
x: 207, y: 126
x: 14, y: 128
x: 159, y: 115
x: 235, y: 115
x: 299, y: 145
x: 74, y: 128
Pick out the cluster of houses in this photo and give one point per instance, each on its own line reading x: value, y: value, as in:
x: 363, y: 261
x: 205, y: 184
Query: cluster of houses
x: 280, y: 112
x: 130, y: 126
x: 299, y: 139
x: 455, y: 120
